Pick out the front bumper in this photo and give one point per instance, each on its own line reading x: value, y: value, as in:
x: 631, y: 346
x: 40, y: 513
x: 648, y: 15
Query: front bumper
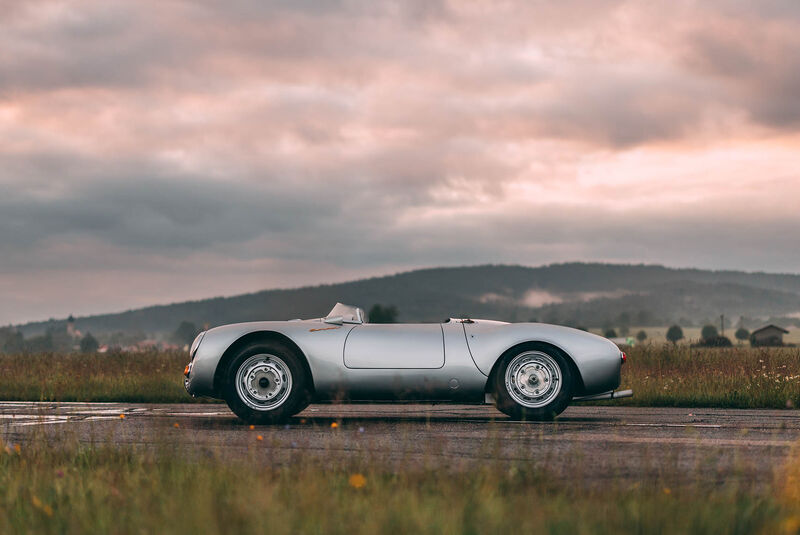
x: 186, y: 373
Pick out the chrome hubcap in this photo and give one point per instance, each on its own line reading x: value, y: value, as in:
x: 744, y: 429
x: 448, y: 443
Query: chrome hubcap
x: 263, y: 382
x: 533, y: 379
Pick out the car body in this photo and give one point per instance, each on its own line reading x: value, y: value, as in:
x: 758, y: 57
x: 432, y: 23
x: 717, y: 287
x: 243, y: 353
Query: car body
x: 341, y: 357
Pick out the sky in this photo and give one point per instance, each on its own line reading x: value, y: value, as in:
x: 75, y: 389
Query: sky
x: 154, y: 151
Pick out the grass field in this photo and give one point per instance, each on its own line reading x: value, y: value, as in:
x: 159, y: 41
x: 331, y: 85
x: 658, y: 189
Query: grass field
x: 154, y: 377
x: 54, y: 484
x: 659, y: 374
x: 57, y: 486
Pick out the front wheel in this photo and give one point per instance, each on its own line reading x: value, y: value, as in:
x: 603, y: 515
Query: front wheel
x: 533, y: 383
x: 266, y: 383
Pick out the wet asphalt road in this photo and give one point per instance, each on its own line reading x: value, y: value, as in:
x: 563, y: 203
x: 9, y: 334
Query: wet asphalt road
x: 593, y: 443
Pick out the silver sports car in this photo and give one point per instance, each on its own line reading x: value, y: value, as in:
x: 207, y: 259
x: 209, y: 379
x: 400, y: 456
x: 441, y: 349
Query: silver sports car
x: 268, y: 371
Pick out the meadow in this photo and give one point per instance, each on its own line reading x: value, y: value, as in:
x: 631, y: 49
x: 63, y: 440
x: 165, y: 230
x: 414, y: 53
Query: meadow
x: 53, y: 483
x: 659, y: 374
x: 56, y: 485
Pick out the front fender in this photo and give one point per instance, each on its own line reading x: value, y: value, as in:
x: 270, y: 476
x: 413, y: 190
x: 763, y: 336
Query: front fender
x: 216, y: 341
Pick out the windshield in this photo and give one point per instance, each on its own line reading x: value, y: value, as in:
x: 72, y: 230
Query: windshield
x: 348, y: 313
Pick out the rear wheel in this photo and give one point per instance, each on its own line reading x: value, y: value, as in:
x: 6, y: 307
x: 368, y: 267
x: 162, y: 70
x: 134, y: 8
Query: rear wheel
x: 533, y: 383
x: 266, y: 383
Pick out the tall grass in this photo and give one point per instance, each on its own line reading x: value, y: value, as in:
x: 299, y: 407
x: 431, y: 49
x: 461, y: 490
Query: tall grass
x: 739, y: 377
x: 154, y: 377
x: 68, y: 488
x: 660, y: 375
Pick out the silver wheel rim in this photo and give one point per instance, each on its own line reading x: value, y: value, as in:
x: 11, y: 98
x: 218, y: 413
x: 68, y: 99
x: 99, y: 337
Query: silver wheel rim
x: 533, y: 379
x: 263, y: 382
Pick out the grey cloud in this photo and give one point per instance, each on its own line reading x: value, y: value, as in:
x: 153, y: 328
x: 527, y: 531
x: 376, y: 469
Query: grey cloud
x: 455, y: 51
x: 155, y: 213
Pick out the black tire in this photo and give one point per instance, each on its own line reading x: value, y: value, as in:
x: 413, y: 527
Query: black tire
x: 287, y: 365
x: 514, y: 408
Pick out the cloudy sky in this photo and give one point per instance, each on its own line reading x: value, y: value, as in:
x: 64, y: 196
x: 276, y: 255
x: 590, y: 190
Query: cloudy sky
x: 155, y: 151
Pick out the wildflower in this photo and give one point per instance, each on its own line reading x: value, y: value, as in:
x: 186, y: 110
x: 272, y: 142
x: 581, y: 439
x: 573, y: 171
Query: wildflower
x: 17, y: 448
x: 667, y: 490
x: 791, y: 524
x: 302, y: 420
x: 334, y: 425
x: 47, y: 510
x: 252, y: 427
x: 360, y: 429
x: 357, y: 481
x: 36, y: 502
x: 60, y: 473
x: 176, y: 425
x: 259, y: 438
x: 121, y: 416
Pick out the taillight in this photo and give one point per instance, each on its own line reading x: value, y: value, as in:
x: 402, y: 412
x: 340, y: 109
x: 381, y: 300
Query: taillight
x: 624, y: 357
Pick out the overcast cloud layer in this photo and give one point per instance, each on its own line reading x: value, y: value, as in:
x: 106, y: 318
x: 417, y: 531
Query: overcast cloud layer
x: 155, y: 151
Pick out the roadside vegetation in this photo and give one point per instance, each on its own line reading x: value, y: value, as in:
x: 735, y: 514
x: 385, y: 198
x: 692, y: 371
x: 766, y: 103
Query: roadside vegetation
x: 56, y: 485
x: 659, y: 374
x: 739, y: 377
x: 147, y: 377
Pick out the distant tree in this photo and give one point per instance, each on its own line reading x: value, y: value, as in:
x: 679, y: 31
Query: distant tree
x: 644, y: 317
x: 40, y: 344
x: 624, y: 330
x: 708, y: 332
x: 715, y: 341
x: 382, y: 314
x: 89, y: 344
x: 674, y: 334
x: 185, y: 333
x: 610, y: 333
x: 641, y: 336
x: 60, y: 339
x: 13, y: 343
x: 742, y: 334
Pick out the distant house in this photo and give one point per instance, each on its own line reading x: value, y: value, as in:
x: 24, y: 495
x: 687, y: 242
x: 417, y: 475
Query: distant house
x: 769, y: 335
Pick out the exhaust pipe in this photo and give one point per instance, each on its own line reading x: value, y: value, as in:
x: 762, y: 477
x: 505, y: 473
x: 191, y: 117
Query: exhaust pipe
x: 606, y: 395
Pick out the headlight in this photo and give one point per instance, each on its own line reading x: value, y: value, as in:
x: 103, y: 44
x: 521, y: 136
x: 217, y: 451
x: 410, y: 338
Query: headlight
x: 196, y: 344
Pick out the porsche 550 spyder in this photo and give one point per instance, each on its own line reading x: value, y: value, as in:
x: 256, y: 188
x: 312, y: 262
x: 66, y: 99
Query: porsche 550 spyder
x: 269, y: 371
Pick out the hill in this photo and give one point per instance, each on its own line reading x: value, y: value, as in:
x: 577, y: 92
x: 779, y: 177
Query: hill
x: 592, y: 295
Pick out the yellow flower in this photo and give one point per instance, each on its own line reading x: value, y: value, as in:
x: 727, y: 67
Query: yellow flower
x: 252, y: 427
x: 667, y: 490
x: 334, y: 425
x: 791, y: 525
x: 17, y: 448
x: 36, y: 502
x: 357, y: 481
x: 259, y: 438
x: 47, y: 510
x: 121, y: 416
x: 176, y: 425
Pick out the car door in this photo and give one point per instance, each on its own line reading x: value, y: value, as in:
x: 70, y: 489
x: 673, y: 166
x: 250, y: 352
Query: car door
x: 390, y: 346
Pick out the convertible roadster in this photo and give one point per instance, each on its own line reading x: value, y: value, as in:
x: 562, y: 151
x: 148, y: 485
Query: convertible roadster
x: 269, y: 371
